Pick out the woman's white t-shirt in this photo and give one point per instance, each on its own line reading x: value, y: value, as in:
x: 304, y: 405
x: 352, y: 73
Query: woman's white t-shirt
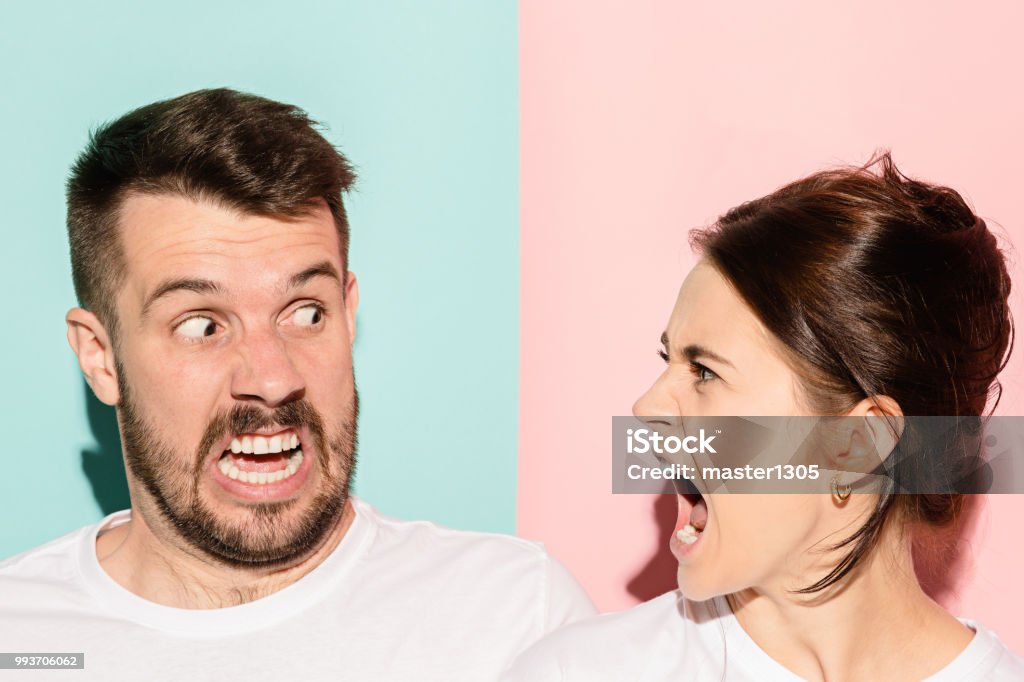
x: 672, y: 638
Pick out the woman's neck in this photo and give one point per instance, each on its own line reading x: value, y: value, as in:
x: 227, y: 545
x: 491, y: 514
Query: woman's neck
x: 878, y: 625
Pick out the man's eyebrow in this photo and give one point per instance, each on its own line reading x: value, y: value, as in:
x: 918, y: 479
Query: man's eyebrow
x: 194, y: 284
x: 206, y: 286
x: 321, y: 269
x: 694, y: 351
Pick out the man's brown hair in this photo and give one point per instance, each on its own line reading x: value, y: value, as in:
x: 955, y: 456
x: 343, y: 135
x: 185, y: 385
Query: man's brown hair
x: 243, y: 151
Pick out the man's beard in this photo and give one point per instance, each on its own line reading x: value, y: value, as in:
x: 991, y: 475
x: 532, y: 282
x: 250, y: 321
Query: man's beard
x: 173, y: 481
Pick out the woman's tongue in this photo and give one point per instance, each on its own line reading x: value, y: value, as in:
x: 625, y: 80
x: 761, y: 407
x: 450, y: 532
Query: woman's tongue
x: 699, y: 515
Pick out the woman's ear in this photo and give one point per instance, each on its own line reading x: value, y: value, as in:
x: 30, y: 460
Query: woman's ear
x: 868, y: 434
x: 91, y: 343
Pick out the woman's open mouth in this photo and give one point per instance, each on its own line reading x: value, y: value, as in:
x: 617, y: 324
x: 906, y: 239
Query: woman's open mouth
x: 694, y: 525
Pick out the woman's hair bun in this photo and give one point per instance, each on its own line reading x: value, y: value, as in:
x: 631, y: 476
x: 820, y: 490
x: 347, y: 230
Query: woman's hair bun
x: 876, y: 284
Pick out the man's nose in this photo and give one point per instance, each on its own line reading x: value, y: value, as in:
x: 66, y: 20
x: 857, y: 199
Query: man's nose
x: 265, y: 371
x: 658, y: 405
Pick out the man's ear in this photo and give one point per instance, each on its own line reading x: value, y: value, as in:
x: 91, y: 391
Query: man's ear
x: 869, y: 434
x: 91, y: 343
x: 351, y: 303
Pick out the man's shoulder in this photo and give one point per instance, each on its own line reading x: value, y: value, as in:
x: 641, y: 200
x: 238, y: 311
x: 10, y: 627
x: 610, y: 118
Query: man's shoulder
x: 498, y: 581
x: 55, y: 555
x: 493, y: 565
x: 42, y: 573
x: 639, y: 622
x: 433, y: 539
x: 609, y: 646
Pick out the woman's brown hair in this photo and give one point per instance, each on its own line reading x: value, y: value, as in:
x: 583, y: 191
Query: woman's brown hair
x: 875, y: 284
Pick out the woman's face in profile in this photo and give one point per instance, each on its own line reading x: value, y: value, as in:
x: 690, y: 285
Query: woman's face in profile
x: 721, y: 361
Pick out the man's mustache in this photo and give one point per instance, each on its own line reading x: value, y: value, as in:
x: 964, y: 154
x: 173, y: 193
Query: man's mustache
x: 243, y: 418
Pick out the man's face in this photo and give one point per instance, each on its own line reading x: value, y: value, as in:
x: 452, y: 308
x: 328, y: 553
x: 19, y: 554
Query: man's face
x: 237, y: 397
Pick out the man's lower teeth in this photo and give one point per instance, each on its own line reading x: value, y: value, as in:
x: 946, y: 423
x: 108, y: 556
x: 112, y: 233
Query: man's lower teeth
x: 260, y: 477
x: 687, y: 534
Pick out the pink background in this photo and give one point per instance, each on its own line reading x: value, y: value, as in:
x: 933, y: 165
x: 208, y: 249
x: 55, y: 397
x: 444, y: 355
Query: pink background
x: 641, y: 120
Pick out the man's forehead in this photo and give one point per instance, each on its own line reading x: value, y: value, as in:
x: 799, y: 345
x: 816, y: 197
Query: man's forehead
x: 152, y: 222
x: 170, y: 232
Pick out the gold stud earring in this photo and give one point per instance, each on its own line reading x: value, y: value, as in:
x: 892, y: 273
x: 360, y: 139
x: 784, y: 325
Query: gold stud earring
x: 840, y: 493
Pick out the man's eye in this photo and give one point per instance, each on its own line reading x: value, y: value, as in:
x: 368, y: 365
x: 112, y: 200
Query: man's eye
x: 197, y: 327
x: 308, y: 315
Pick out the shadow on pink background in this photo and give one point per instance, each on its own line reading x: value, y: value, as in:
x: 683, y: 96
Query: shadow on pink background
x: 642, y: 120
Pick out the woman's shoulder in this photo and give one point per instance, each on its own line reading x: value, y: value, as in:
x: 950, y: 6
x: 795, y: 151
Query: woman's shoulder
x: 620, y: 645
x: 985, y: 658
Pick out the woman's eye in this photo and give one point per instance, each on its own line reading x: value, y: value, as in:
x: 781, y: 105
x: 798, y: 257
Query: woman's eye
x: 197, y: 327
x: 308, y: 315
x: 702, y: 373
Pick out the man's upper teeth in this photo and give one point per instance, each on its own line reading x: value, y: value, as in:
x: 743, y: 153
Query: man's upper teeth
x: 261, y: 445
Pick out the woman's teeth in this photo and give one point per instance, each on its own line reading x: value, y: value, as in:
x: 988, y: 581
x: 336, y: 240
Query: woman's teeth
x: 687, y: 534
x: 260, y: 477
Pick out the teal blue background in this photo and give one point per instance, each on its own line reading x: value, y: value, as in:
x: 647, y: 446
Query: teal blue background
x: 421, y: 96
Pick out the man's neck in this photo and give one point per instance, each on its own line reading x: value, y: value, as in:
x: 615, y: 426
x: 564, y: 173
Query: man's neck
x: 162, y: 572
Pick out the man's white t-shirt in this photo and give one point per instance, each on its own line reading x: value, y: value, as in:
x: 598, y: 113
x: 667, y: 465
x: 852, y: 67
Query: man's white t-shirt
x: 672, y: 638
x: 396, y: 600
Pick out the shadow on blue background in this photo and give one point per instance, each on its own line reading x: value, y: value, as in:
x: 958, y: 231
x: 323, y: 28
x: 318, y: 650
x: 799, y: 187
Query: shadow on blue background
x: 103, y: 465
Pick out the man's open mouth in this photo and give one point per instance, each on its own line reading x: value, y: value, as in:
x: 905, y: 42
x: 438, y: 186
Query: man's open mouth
x: 262, y: 459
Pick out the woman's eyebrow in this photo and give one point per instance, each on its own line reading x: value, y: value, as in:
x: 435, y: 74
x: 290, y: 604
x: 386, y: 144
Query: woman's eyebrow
x: 694, y: 351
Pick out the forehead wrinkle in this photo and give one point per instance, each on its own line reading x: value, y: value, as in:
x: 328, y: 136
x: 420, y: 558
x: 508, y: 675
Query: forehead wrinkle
x: 193, y: 227
x: 200, y: 260
x: 224, y: 246
x: 711, y: 315
x: 169, y: 238
x: 196, y: 281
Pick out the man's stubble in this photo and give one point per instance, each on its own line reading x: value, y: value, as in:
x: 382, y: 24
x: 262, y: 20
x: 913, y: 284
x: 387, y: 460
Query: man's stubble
x: 173, y: 481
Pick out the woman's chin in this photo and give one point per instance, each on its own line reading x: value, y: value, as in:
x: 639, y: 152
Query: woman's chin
x: 692, y: 588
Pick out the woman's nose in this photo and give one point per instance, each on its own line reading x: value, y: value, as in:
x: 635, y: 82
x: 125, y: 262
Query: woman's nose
x: 657, y: 403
